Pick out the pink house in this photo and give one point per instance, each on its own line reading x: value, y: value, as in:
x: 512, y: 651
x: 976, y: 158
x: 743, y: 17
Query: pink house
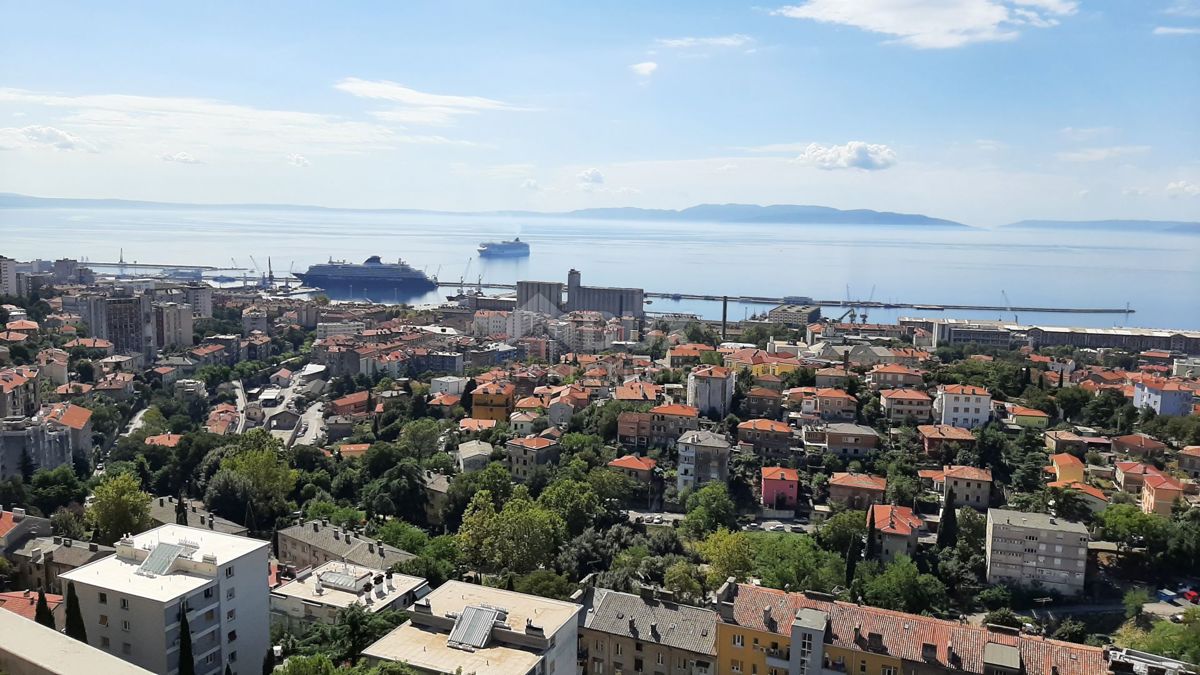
x: 779, y: 487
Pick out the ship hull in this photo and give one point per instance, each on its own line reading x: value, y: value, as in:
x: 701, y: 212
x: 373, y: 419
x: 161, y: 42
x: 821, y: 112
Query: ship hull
x: 491, y: 253
x: 375, y: 289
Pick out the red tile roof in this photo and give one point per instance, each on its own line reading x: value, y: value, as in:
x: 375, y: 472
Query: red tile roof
x: 1140, y: 441
x: 834, y: 393
x: 676, y: 409
x: 712, y: 371
x: 859, y: 480
x: 25, y: 602
x: 967, y: 473
x: 1081, y: 487
x: 69, y: 414
x: 164, y: 440
x: 765, y: 425
x: 780, y: 473
x: 895, y: 519
x: 532, y: 442
x: 965, y: 390
x: 1022, y: 411
x: 634, y: 462
x: 353, y: 449
x: 945, y: 432
x: 473, y: 424
x: 904, y: 395
x: 1066, y: 459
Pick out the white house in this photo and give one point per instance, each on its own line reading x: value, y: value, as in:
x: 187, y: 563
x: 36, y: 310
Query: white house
x: 962, y: 405
x: 710, y: 390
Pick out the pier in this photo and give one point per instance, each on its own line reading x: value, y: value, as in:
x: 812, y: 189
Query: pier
x: 765, y: 300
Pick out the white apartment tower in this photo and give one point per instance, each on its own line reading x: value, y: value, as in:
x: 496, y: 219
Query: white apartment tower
x: 131, y: 601
x: 1024, y: 549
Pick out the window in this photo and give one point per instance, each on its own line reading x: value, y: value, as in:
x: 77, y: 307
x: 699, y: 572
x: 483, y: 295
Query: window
x: 125, y: 625
x: 735, y: 666
x: 126, y: 648
x: 212, y: 614
x: 103, y: 619
x: 124, y: 603
x: 104, y: 642
x: 739, y: 641
x: 231, y: 615
x: 211, y: 658
x: 862, y: 666
x: 617, y: 649
x: 208, y: 593
x: 232, y: 657
x: 232, y: 637
x: 229, y: 572
x: 229, y: 594
x: 887, y: 670
x: 104, y: 598
x: 659, y: 659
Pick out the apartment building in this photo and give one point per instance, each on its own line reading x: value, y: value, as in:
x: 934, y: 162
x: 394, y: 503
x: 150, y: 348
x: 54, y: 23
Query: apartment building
x: 1159, y: 495
x: 623, y: 632
x: 769, y: 438
x: 841, y: 438
x: 900, y: 404
x: 493, y: 401
x: 1163, y: 396
x: 1028, y: 549
x: 962, y: 405
x: 467, y: 628
x: 972, y: 486
x: 172, y: 325
x: 526, y: 454
x: 857, y: 490
x: 317, y: 595
x: 317, y: 542
x: 710, y: 390
x: 703, y: 458
x: 773, y: 632
x: 131, y: 601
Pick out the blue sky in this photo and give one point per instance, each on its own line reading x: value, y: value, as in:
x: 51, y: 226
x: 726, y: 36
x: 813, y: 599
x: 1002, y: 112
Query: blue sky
x: 984, y: 111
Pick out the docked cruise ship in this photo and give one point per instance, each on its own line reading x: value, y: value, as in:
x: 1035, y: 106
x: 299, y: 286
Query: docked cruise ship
x: 504, y: 249
x: 372, y: 276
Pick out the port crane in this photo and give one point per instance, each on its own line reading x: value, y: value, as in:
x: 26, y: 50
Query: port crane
x: 1008, y: 305
x: 462, y: 280
x: 862, y: 317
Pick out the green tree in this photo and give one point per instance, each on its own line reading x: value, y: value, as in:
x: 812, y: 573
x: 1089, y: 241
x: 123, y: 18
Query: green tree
x: 1003, y: 616
x: 67, y: 523
x: 789, y: 561
x: 902, y: 587
x: 544, y: 583
x: 836, y: 532
x: 574, y: 501
x: 872, y: 551
x: 53, y: 489
x: 119, y: 507
x: 1133, y: 600
x: 708, y: 509
x: 75, y: 626
x: 681, y: 578
x: 42, y: 613
x: 181, y: 510
x: 729, y: 554
x: 402, y: 535
x: 947, y: 534
x: 318, y: 664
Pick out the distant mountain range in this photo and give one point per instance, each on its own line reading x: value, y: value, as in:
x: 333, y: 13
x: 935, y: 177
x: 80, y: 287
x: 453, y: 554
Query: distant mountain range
x: 719, y: 213
x: 1172, y: 226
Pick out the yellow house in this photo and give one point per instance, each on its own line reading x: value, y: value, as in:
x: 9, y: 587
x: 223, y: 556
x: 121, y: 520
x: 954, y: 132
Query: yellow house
x: 764, y: 631
x: 1027, y: 418
x: 1067, y: 468
x: 493, y: 401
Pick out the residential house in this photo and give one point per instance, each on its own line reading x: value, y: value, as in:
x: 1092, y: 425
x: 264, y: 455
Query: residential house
x: 962, y: 405
x: 40, y: 561
x: 835, y: 404
x: 687, y: 355
x: 972, y: 486
x: 351, y: 405
x: 1130, y: 476
x: 1066, y: 468
x: 1189, y: 460
x: 901, y: 404
x: 30, y: 648
x: 894, y: 376
x: 935, y: 438
x: 832, y: 378
x: 766, y: 437
x: 710, y: 390
x: 762, y: 402
x: 163, y: 511
x: 1138, y: 445
x: 841, y: 438
x: 526, y: 454
x: 473, y: 456
x: 1064, y: 440
x: 493, y: 401
x: 637, y: 468
x: 896, y: 530
x: 857, y: 490
x: 1027, y: 418
x: 1159, y: 494
x: 703, y: 458
x: 1163, y: 396
x: 780, y: 487
x: 316, y: 542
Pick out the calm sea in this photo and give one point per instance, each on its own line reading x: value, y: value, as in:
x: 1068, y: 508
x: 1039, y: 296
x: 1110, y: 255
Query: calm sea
x: 1158, y: 275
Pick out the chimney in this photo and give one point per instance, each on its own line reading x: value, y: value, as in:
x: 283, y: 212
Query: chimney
x: 18, y: 514
x: 316, y: 526
x: 337, y: 535
x: 93, y: 547
x: 201, y: 520
x: 161, y: 501
x: 58, y: 540
x: 193, y: 508
x: 210, y: 522
x: 370, y: 547
x: 632, y: 626
x: 66, y: 541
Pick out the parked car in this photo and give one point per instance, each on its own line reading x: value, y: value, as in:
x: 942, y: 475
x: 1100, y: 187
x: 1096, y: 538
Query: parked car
x: 1192, y: 596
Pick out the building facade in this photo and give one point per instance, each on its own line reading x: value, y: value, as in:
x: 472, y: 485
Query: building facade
x: 1028, y: 549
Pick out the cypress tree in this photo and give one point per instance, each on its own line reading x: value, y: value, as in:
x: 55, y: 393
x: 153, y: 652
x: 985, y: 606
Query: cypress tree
x: 187, y: 663
x: 268, y: 666
x: 181, y: 510
x: 75, y: 626
x: 872, y: 552
x: 947, y: 535
x: 228, y: 670
x: 853, y: 553
x: 42, y: 614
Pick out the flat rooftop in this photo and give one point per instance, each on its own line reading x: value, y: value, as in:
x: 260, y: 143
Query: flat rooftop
x: 428, y: 650
x: 1041, y: 521
x: 335, y: 580
x: 120, y: 571
x: 455, y: 596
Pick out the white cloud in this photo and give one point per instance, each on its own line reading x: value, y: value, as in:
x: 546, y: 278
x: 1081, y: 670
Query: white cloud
x: 298, y: 160
x: 40, y: 136
x: 645, y: 69
x: 179, y: 158
x: 151, y: 123
x: 734, y: 40
x: 590, y: 176
x: 935, y: 24
x: 1102, y: 154
x: 1175, y: 30
x: 1182, y: 188
x: 530, y: 184
x: 1190, y: 8
x: 418, y: 107
x: 1085, y: 133
x: 852, y: 155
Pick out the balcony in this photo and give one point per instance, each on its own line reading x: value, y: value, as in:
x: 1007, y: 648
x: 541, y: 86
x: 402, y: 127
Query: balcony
x: 778, y: 658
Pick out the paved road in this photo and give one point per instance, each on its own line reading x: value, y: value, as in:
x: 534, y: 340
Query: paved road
x: 315, y: 420
x: 648, y: 516
x: 136, y: 422
x: 240, y: 393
